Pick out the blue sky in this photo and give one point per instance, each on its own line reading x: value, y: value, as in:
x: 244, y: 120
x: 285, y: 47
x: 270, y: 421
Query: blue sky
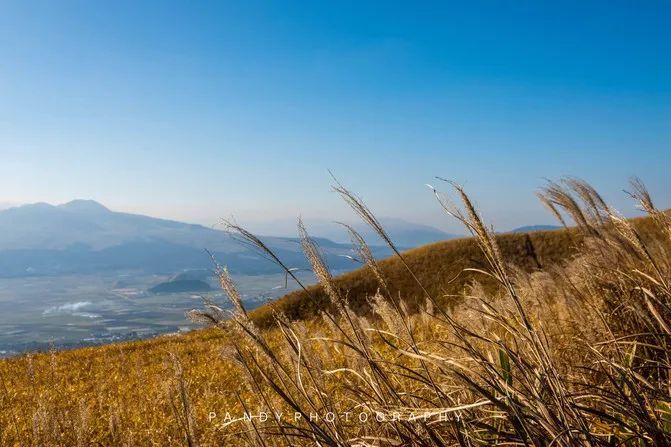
x: 195, y: 110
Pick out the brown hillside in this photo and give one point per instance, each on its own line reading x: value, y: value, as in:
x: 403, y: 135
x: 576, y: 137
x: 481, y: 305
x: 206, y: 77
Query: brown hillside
x: 440, y: 268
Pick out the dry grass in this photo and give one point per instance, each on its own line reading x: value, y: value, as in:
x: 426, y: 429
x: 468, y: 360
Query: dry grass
x: 552, y: 338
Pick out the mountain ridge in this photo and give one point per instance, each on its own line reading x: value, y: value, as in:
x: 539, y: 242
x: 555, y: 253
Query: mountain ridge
x: 84, y: 236
x: 530, y: 228
x: 404, y: 233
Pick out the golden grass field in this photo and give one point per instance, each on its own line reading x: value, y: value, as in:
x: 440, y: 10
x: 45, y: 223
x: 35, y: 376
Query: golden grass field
x: 553, y: 338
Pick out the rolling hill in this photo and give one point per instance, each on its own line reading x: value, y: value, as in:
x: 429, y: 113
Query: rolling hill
x: 181, y: 285
x: 439, y: 266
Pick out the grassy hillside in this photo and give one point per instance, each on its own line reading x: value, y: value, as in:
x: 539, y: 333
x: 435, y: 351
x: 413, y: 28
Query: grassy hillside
x: 440, y: 266
x: 510, y: 359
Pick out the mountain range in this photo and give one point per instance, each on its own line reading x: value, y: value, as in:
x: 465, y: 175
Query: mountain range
x: 83, y: 236
x: 530, y: 228
x: 404, y: 234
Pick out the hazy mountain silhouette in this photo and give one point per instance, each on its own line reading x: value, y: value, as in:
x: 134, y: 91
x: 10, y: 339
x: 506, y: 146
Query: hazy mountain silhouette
x: 83, y: 236
x: 403, y: 233
x: 530, y: 228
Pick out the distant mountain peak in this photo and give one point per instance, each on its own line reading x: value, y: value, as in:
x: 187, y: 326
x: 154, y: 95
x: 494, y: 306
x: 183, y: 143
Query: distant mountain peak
x: 82, y: 205
x: 530, y: 228
x: 36, y: 206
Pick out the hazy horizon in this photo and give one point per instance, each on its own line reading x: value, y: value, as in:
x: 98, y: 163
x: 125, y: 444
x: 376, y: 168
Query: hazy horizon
x: 287, y: 226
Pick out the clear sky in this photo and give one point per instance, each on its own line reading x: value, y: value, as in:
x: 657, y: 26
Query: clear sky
x: 194, y: 110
